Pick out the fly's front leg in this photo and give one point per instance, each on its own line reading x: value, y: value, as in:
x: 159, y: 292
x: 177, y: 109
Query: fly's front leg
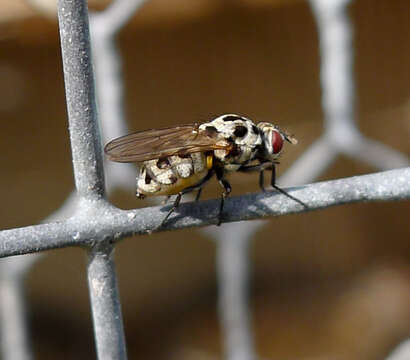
x: 261, y: 168
x: 277, y: 188
x: 273, y: 177
x: 227, y: 189
x: 269, y: 166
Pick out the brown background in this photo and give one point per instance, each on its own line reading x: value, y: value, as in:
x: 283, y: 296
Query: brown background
x: 329, y: 284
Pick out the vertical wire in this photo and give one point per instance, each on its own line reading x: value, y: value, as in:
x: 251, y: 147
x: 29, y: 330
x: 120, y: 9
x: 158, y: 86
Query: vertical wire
x: 88, y: 172
x: 80, y: 96
x: 105, y: 305
x: 15, y: 344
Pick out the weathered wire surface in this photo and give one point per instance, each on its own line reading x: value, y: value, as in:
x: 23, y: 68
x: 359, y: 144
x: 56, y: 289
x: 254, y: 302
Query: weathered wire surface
x: 99, y: 221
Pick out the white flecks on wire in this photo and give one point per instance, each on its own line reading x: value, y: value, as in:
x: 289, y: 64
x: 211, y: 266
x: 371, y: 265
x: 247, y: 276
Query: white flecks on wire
x: 105, y: 222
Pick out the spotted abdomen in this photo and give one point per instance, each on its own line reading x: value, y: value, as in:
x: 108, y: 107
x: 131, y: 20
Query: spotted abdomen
x: 170, y: 175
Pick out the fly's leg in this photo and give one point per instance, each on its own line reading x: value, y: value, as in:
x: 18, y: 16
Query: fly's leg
x: 273, y: 177
x: 198, y: 194
x: 177, y: 201
x: 261, y: 168
x: 186, y: 191
x: 269, y: 166
x: 174, y: 207
x: 277, y: 188
x: 227, y: 189
x: 262, y: 180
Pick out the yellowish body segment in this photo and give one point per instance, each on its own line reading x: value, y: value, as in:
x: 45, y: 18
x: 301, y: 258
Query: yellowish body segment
x: 209, y: 162
x: 172, y: 176
x: 180, y: 185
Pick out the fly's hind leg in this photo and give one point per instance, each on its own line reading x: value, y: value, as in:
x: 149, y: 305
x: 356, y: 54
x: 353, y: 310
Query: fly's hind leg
x: 227, y: 190
x: 198, y: 194
x: 186, y: 191
x: 174, y: 207
x: 178, y: 200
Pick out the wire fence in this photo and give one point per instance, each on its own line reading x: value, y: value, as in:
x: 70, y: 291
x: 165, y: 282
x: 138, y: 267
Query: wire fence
x: 88, y: 220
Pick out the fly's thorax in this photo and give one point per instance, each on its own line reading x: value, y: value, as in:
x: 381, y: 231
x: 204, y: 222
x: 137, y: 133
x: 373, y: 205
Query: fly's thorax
x: 240, y: 133
x: 168, y: 176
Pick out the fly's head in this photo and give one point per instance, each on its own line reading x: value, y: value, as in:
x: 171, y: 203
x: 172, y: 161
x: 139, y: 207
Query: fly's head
x: 273, y: 139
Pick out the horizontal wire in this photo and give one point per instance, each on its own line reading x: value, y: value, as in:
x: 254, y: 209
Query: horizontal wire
x: 98, y: 220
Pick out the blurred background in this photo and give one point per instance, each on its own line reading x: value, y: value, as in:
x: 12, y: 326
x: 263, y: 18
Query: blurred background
x: 332, y: 284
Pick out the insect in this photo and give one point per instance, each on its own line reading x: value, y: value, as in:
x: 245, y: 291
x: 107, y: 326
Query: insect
x: 181, y: 159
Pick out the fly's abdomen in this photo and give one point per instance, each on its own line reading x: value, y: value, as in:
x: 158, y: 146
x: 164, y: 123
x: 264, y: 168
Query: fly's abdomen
x: 171, y: 175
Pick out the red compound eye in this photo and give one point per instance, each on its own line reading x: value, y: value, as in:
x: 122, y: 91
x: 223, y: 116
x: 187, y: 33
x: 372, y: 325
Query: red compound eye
x: 277, y: 142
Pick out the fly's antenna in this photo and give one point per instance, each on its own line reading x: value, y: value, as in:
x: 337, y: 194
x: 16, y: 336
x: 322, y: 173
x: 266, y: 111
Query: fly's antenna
x: 288, y: 137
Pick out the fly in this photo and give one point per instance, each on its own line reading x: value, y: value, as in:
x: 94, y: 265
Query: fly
x: 181, y: 159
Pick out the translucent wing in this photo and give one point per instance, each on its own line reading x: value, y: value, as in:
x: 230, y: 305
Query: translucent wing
x: 157, y: 143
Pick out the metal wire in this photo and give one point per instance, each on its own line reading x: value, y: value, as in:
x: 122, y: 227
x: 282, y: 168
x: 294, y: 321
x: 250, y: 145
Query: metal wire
x: 101, y: 222
x: 88, y: 173
x: 402, y: 352
x: 15, y: 344
x: 80, y: 96
x: 105, y: 304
